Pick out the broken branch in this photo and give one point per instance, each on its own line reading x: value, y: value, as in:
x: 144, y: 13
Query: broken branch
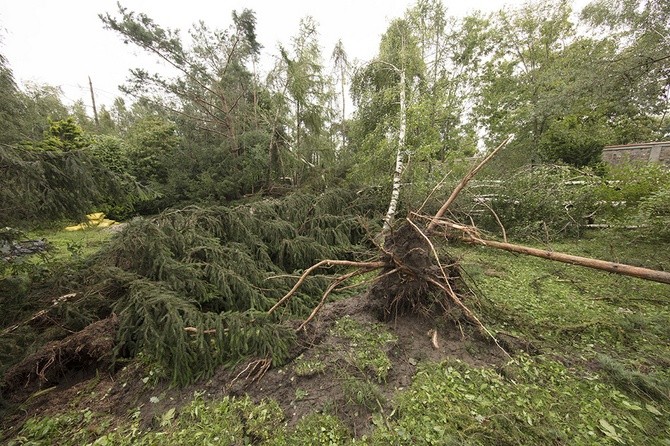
x: 367, y: 266
x: 463, y: 183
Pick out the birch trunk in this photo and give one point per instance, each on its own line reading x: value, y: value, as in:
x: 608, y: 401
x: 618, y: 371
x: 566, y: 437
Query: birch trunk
x: 399, y: 160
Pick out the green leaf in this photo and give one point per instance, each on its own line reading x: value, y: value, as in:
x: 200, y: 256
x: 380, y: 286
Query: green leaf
x: 653, y: 410
x: 609, y: 431
x: 166, y: 418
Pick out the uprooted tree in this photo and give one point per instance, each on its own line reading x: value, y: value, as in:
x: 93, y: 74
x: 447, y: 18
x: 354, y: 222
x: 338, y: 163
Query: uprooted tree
x: 414, y: 277
x: 196, y: 288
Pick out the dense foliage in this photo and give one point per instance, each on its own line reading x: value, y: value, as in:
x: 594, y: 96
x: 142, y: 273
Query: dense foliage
x: 232, y: 181
x: 191, y: 287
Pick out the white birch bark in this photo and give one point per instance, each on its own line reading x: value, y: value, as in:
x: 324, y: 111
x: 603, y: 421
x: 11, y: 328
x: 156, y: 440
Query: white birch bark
x: 399, y: 160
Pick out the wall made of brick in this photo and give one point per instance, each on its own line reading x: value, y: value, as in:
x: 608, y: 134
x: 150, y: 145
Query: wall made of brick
x: 665, y: 155
x: 632, y: 155
x: 658, y: 152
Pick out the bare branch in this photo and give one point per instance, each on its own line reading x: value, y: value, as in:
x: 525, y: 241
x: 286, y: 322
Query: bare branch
x: 463, y: 183
x: 367, y: 266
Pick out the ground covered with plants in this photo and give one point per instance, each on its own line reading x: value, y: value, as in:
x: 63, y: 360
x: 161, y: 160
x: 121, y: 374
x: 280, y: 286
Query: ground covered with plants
x: 278, y: 279
x: 132, y: 355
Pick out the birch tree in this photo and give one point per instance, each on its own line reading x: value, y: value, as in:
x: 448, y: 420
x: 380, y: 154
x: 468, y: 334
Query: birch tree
x: 382, y: 89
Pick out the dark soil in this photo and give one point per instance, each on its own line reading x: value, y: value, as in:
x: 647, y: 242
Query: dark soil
x: 64, y: 361
x: 131, y: 387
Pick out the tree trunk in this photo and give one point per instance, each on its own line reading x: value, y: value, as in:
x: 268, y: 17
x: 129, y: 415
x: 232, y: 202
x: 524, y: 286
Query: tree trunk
x: 618, y: 268
x: 342, y: 127
x: 399, y: 160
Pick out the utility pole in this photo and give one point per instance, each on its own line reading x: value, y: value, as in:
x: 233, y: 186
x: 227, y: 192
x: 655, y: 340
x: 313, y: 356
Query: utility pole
x: 95, y: 110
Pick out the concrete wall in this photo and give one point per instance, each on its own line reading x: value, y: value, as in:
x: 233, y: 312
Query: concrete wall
x: 655, y: 152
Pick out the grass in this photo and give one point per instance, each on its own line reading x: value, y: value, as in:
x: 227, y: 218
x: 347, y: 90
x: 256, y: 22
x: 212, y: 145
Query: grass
x: 602, y: 377
x: 574, y: 310
x: 366, y: 352
x: 530, y: 401
x: 80, y: 243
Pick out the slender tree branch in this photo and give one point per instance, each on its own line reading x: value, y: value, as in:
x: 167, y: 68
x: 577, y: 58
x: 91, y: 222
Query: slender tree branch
x: 365, y: 265
x: 463, y: 183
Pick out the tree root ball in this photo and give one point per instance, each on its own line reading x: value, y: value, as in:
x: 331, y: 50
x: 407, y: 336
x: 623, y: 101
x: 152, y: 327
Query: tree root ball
x: 404, y: 285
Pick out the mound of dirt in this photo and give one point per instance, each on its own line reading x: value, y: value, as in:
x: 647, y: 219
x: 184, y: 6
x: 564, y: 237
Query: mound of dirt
x: 336, y: 386
x: 328, y: 389
x: 68, y: 360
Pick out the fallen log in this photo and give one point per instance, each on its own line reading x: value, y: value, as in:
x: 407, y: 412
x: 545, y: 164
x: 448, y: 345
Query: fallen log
x: 603, y: 265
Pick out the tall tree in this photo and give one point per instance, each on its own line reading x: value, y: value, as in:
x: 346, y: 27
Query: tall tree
x: 638, y: 75
x: 341, y: 61
x: 12, y: 108
x: 452, y: 50
x: 42, y: 104
x: 309, y: 91
x: 209, y: 88
x: 521, y: 89
x: 383, y: 90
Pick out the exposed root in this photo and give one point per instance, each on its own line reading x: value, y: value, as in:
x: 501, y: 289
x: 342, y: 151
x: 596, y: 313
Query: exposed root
x: 91, y: 347
x: 364, y: 266
x: 254, y: 371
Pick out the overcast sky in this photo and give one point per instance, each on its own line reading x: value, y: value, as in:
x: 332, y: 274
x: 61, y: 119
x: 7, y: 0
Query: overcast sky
x: 62, y: 42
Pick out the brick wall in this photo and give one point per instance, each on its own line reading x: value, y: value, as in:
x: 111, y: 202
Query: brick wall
x: 658, y: 152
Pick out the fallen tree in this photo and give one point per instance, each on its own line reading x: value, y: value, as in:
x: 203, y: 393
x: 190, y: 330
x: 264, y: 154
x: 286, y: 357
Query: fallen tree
x: 197, y: 288
x: 412, y: 276
x: 603, y: 265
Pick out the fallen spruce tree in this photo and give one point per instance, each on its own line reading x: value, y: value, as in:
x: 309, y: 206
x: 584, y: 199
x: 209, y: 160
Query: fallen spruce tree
x: 189, y: 290
x: 194, y: 289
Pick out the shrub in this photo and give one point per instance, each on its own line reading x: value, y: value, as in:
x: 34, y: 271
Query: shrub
x: 539, y: 202
x: 655, y: 211
x: 628, y: 185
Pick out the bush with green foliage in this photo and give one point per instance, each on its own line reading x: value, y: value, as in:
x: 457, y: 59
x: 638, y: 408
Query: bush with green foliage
x: 574, y: 141
x: 627, y: 185
x: 655, y: 211
x: 541, y: 202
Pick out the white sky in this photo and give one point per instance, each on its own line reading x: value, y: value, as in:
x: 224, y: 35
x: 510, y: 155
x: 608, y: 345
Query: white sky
x: 62, y: 42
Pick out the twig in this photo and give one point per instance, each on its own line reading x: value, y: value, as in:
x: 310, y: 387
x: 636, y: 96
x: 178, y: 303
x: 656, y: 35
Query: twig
x: 252, y: 368
x: 433, y: 339
x: 194, y: 330
x: 55, y: 303
x: 502, y: 228
x: 372, y: 279
x: 464, y: 182
x: 437, y: 186
x: 469, y: 314
x: 326, y: 293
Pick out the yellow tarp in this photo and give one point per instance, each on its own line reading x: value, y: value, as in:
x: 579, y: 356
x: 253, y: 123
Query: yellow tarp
x: 95, y: 220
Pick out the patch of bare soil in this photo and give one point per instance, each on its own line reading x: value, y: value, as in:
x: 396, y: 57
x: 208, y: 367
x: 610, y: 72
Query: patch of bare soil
x: 298, y: 394
x: 329, y: 391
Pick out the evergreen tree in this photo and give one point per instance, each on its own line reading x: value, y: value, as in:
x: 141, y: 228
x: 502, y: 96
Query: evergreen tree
x: 12, y: 109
